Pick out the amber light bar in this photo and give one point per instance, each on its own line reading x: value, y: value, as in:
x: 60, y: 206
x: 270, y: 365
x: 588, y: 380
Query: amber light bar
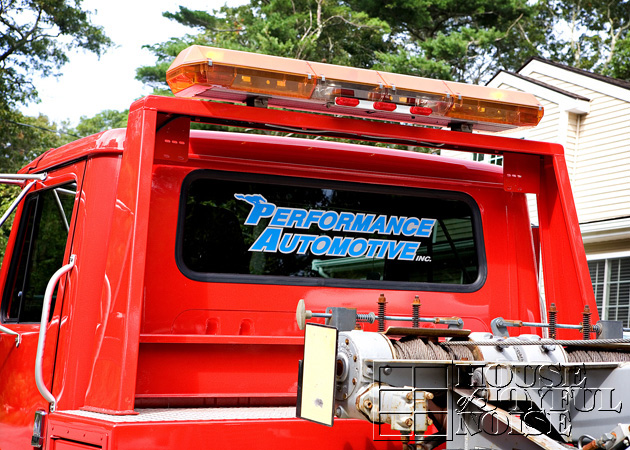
x: 220, y: 74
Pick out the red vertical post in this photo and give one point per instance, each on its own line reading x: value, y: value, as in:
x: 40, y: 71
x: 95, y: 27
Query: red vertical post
x: 565, y: 270
x: 113, y: 380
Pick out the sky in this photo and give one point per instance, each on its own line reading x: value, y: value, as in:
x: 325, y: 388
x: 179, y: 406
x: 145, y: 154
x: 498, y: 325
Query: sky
x: 88, y: 85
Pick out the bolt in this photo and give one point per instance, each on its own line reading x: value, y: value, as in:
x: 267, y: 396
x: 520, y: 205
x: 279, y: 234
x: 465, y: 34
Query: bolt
x: 429, y: 421
x: 345, y: 396
x: 338, y: 412
x: 409, y: 396
x: 409, y: 422
x: 387, y: 370
x: 429, y: 395
x: 354, y: 358
x: 367, y: 403
x: 354, y: 381
x: 347, y: 341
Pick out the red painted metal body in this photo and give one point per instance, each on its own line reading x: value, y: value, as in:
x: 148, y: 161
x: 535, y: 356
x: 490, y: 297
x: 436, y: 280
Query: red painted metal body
x: 132, y: 330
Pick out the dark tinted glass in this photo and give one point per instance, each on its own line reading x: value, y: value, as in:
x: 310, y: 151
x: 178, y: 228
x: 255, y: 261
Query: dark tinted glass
x: 292, y: 228
x: 39, y: 251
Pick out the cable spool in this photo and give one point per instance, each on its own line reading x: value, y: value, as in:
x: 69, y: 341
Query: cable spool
x: 581, y: 355
x: 424, y: 349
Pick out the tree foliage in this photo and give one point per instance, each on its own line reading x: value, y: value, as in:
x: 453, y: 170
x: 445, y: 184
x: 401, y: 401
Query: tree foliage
x: 451, y: 39
x: 24, y: 138
x: 105, y: 120
x: 316, y: 30
x: 596, y: 34
x: 446, y: 39
x: 37, y: 34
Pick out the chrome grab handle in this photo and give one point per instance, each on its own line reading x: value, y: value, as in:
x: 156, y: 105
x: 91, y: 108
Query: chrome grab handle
x: 16, y: 202
x: 6, y: 330
x: 10, y: 178
x: 50, y: 289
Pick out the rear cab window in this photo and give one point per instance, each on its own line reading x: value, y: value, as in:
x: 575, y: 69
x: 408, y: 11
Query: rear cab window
x: 280, y: 230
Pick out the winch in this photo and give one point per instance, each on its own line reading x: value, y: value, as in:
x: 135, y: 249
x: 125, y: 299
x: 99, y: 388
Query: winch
x: 473, y: 389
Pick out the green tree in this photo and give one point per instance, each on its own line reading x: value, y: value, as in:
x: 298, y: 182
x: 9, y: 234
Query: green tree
x: 452, y: 39
x: 24, y: 138
x: 596, y: 34
x: 105, y: 120
x: 316, y: 30
x: 447, y: 39
x: 37, y: 34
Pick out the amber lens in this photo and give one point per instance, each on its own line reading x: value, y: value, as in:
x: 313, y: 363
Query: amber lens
x: 496, y: 112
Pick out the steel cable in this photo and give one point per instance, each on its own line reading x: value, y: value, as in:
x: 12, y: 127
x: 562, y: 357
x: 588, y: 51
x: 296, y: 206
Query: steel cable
x: 420, y: 349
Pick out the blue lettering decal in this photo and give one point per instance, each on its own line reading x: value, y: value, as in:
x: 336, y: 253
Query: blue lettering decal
x: 408, y: 252
x: 296, y: 219
x: 358, y: 247
x: 280, y: 217
x: 410, y: 226
x: 339, y: 246
x: 288, y: 243
x: 312, y: 217
x: 328, y: 220
x: 373, y: 245
x: 390, y: 249
x: 361, y: 222
x: 273, y: 240
x: 426, y: 227
x: 305, y: 240
x: 321, y: 245
x: 394, y: 226
x: 267, y: 241
x: 261, y: 208
x: 378, y: 226
x: 345, y: 220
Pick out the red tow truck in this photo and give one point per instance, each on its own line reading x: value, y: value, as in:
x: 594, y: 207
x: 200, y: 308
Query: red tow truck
x: 151, y: 278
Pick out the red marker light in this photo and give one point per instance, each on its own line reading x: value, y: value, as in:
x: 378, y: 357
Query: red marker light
x: 346, y: 92
x: 384, y: 106
x: 420, y: 110
x: 345, y: 101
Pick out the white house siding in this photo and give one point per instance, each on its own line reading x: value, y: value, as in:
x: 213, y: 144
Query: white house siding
x: 597, y: 149
x: 571, y: 145
x: 600, y: 171
x: 598, y: 250
x: 602, y: 176
x: 563, y: 84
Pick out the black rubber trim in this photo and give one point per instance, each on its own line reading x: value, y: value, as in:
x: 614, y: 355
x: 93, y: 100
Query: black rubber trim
x: 330, y: 282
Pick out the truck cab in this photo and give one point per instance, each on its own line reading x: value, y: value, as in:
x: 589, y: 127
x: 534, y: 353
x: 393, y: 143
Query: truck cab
x: 150, y: 283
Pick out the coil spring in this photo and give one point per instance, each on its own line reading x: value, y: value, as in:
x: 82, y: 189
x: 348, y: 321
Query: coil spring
x: 415, y: 312
x: 586, y: 323
x: 369, y: 318
x: 553, y: 317
x: 381, y: 313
